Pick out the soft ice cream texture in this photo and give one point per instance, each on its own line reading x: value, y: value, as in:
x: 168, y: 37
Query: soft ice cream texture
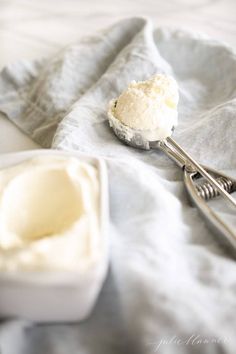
x: 149, y: 105
x: 49, y: 215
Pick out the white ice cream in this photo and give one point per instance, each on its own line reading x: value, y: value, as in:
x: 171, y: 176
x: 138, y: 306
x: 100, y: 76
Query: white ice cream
x: 148, y: 106
x: 48, y: 214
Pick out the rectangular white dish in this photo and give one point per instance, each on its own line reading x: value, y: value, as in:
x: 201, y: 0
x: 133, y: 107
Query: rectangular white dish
x: 56, y: 296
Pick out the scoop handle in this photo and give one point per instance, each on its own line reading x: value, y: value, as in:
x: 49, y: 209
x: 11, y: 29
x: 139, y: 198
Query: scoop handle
x: 187, y: 163
x: 207, y: 192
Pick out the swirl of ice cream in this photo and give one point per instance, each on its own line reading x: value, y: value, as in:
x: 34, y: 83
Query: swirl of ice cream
x: 148, y: 106
x: 48, y: 214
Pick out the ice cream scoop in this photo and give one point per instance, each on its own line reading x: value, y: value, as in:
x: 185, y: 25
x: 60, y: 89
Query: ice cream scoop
x: 149, y: 106
x: 144, y: 116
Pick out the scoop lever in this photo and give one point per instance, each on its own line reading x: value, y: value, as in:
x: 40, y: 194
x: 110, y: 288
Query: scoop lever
x: 215, y: 184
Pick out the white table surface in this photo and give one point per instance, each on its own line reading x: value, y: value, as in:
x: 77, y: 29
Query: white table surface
x: 35, y: 28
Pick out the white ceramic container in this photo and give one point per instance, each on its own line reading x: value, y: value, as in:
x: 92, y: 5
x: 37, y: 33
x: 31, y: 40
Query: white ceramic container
x: 57, y: 296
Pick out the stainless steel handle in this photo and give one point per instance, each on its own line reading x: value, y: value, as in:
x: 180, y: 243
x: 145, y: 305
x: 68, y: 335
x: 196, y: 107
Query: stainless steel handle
x: 212, y: 218
x: 220, y: 184
x: 185, y: 161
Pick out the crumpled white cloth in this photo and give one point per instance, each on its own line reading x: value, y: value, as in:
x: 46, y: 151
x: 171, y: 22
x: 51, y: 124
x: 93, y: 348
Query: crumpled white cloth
x: 171, y: 287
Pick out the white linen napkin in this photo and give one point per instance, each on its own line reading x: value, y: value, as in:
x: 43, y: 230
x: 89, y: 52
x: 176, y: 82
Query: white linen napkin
x: 172, y: 287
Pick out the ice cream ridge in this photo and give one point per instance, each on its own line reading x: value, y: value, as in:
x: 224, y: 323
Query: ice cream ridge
x: 149, y: 107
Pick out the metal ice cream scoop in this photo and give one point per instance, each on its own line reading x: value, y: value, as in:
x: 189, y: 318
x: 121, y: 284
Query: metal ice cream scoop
x: 202, y: 183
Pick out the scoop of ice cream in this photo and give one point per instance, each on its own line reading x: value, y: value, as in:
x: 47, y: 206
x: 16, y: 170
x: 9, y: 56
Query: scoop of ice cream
x: 149, y: 105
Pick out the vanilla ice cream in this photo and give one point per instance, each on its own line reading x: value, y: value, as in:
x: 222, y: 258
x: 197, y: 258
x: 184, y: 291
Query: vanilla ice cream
x: 148, y: 106
x: 49, y: 214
